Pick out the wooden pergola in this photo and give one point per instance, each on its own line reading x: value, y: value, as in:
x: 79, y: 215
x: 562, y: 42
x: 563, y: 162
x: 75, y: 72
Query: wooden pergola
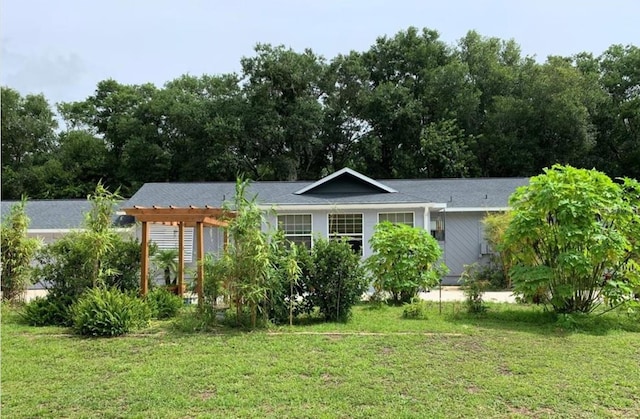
x: 198, y: 217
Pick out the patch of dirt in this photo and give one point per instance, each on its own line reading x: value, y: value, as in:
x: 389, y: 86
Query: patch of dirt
x: 329, y: 379
x: 208, y: 394
x: 505, y: 370
x: 386, y: 350
x: 471, y: 389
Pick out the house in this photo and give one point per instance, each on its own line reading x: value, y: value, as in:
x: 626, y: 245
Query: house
x: 52, y: 219
x: 347, y: 204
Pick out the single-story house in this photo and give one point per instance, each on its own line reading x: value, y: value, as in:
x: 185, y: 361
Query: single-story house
x: 346, y: 204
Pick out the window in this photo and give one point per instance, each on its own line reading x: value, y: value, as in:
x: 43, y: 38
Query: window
x: 437, y: 227
x: 297, y: 228
x: 349, y: 226
x: 397, y: 217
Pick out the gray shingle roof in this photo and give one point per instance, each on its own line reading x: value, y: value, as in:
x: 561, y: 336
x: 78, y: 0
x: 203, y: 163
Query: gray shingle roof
x: 57, y: 214
x: 52, y: 214
x: 456, y: 193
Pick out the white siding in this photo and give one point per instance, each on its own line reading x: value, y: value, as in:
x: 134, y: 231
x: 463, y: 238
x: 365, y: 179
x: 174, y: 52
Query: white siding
x: 166, y: 237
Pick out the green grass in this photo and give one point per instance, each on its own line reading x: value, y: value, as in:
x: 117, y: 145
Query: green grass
x: 512, y: 362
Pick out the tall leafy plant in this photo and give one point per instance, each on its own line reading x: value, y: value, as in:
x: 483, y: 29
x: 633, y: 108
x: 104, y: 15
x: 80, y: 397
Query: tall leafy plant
x: 405, y: 260
x: 17, y: 250
x: 99, y: 234
x: 578, y: 235
x: 248, y: 254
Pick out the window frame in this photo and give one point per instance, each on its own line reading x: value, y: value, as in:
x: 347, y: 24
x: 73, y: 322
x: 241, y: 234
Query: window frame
x: 351, y: 236
x: 287, y: 235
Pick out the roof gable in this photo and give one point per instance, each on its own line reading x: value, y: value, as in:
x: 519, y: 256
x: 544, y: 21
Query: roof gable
x: 345, y: 181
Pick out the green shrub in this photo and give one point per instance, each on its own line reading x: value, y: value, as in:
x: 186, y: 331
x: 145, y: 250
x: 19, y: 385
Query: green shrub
x: 405, y: 261
x: 108, y: 312
x: 577, y: 235
x: 337, y: 279
x: 163, y: 303
x: 417, y: 309
x: 47, y: 311
x: 474, y: 287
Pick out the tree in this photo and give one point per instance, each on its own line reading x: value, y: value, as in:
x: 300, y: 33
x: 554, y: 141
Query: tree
x: 405, y: 261
x: 18, y: 251
x: 617, y: 117
x: 125, y: 117
x: 284, y: 115
x: 202, y: 125
x: 28, y: 125
x: 577, y: 234
x: 409, y: 81
x: 445, y: 151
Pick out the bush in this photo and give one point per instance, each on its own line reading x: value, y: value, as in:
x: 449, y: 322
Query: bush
x: 47, y: 311
x: 108, y: 312
x: 337, y: 280
x: 163, y: 304
x: 577, y: 235
x: 417, y: 309
x: 474, y: 287
x: 405, y: 261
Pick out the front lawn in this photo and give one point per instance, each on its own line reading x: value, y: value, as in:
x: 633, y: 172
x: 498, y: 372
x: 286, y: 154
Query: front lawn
x: 514, y: 361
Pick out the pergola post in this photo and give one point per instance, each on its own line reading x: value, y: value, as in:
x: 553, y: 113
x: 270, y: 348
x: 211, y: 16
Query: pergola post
x: 144, y: 263
x: 200, y: 283
x: 180, y: 258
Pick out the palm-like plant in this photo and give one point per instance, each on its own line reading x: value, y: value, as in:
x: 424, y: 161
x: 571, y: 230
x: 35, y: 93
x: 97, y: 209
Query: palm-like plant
x: 167, y: 261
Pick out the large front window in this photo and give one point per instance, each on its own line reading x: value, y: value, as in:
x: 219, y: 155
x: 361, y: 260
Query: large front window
x: 297, y: 228
x: 347, y: 226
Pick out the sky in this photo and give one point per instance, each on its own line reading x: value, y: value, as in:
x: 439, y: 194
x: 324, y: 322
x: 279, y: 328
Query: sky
x: 63, y: 48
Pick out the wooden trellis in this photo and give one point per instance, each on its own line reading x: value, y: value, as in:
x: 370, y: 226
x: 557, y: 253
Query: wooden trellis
x: 198, y: 217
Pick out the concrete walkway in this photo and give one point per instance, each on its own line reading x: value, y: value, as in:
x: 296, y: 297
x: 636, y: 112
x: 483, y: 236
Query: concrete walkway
x: 449, y: 293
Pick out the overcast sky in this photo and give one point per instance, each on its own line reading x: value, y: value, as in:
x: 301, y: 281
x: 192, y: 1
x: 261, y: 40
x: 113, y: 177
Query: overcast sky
x: 63, y: 48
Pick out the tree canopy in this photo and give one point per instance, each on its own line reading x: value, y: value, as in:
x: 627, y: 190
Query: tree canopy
x: 410, y: 106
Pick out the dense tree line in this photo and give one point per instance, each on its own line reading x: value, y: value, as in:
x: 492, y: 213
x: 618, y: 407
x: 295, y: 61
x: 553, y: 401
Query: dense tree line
x: 411, y: 106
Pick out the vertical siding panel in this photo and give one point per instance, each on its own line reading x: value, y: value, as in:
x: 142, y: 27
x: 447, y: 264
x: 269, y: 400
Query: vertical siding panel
x: 462, y: 242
